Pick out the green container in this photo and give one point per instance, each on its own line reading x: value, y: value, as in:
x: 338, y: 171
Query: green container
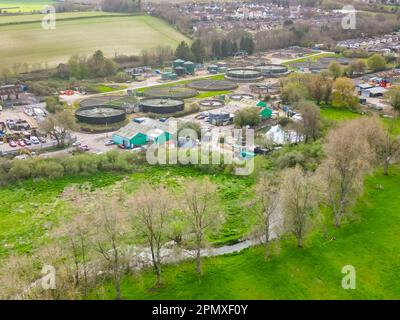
x: 189, y: 66
x: 177, y: 63
x: 166, y: 75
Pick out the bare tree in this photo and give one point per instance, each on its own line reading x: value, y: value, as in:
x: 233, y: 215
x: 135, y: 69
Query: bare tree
x: 151, y: 214
x: 17, y: 273
x: 267, y: 196
x: 111, y: 229
x: 78, y: 232
x: 298, y: 202
x: 58, y: 126
x: 384, y: 143
x: 390, y: 150
x: 200, y: 204
x: 349, y: 157
x: 310, y: 120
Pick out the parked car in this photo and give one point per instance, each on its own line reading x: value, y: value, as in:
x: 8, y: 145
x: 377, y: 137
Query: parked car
x: 42, y: 140
x: 21, y: 143
x: 35, y: 140
x: 84, y: 147
x: 12, y: 143
x: 27, y: 142
x: 109, y: 143
x: 121, y: 146
x: 76, y: 143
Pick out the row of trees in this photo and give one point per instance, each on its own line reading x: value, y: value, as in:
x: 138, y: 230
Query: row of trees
x: 112, y: 232
x: 222, y: 48
x: 202, y: 49
x: 126, y: 6
x: 320, y: 88
x: 95, y: 240
x: 294, y: 196
x: 80, y: 67
x: 374, y: 63
x: 196, y: 52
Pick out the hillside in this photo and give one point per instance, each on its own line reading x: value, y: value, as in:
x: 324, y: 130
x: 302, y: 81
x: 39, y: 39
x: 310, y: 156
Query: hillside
x: 112, y: 34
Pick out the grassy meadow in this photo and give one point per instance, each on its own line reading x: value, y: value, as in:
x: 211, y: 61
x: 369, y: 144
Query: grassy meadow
x: 17, y: 6
x: 29, y: 42
x: 371, y: 243
x: 30, y: 209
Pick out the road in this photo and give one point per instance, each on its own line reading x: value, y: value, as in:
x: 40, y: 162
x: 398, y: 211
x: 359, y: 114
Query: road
x: 150, y: 82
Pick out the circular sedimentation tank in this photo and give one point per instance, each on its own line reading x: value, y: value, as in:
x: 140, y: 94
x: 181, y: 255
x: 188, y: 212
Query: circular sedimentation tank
x: 240, y: 96
x: 162, y: 105
x: 178, y: 92
x: 244, y: 75
x: 212, y: 85
x: 211, y: 103
x: 273, y: 70
x: 100, y: 114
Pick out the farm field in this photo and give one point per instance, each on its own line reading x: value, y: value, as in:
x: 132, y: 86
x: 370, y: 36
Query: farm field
x: 369, y: 243
x: 27, y: 18
x: 24, y: 5
x: 113, y: 35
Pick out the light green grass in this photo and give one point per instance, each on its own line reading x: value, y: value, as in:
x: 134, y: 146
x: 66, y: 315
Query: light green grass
x: 181, y: 82
x: 338, y: 114
x: 371, y: 244
x: 208, y: 94
x: 105, y: 88
x: 314, y: 58
x: 28, y: 18
x: 113, y: 35
x: 24, y: 5
x: 29, y: 210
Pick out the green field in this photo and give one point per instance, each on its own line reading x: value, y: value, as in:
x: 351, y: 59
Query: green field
x: 371, y: 244
x: 28, y: 210
x: 337, y: 114
x: 27, y: 18
x: 29, y: 42
x: 24, y: 5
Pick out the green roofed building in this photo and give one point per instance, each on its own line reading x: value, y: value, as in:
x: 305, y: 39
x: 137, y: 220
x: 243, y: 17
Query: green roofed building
x: 266, y: 113
x: 143, y: 130
x: 261, y: 104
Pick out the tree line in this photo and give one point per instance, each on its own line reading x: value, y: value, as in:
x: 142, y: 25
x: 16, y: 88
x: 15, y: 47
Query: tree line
x: 113, y: 233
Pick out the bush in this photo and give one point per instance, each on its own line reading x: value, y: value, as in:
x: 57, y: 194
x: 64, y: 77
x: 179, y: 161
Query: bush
x: 53, y: 105
x: 247, y: 116
x: 82, y: 164
x: 121, y: 77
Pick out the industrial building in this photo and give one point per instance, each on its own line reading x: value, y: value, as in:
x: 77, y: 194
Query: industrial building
x: 141, y: 131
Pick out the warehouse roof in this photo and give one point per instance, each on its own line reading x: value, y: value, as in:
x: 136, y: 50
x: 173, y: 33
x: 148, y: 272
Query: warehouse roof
x: 377, y: 90
x: 147, y: 126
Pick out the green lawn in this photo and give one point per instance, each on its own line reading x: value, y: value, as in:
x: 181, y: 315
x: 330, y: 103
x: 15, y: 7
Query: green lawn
x: 105, y: 88
x: 24, y: 5
x: 371, y: 244
x: 338, y: 114
x: 314, y: 57
x: 29, y: 210
x: 182, y: 82
x: 29, y: 42
x: 209, y: 94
